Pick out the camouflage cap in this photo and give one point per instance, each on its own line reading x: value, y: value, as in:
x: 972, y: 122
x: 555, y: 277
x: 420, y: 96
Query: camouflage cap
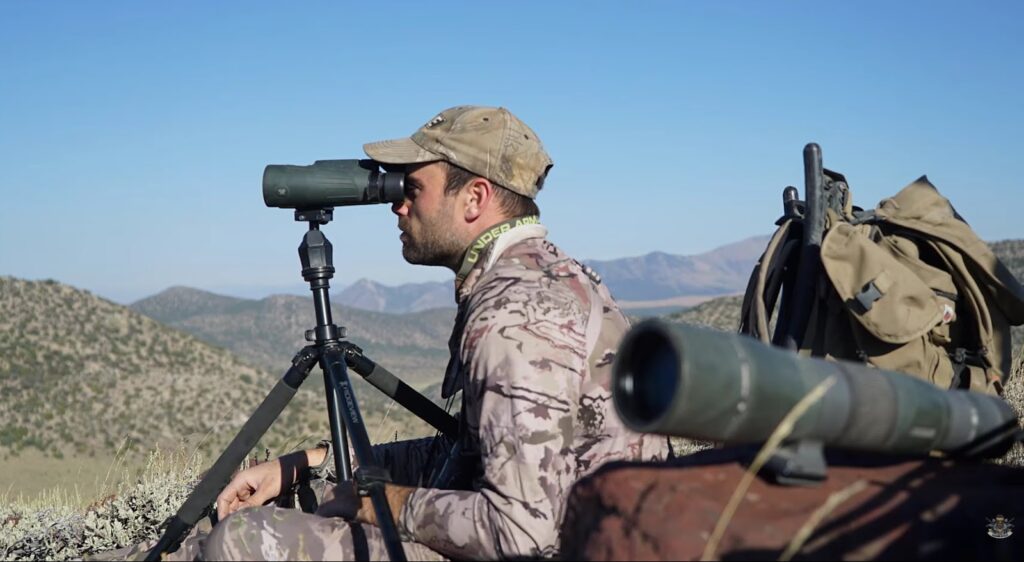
x: 488, y: 141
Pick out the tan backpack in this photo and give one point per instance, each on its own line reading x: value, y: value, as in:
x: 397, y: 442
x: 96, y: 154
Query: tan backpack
x: 907, y: 287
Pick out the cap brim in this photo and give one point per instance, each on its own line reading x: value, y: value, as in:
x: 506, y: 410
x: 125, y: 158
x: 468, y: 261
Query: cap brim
x: 399, y: 151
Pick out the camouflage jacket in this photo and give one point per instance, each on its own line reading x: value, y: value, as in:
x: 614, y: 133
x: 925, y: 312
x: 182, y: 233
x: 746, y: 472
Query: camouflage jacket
x: 532, y: 348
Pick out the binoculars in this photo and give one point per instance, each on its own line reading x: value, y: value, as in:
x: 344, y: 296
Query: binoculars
x: 331, y: 183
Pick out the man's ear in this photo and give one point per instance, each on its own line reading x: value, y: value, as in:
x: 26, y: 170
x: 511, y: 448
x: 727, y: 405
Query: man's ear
x: 479, y: 197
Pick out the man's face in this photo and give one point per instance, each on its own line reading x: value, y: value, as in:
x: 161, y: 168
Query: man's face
x: 427, y: 218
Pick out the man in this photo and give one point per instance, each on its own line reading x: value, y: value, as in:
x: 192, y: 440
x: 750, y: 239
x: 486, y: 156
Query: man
x: 532, y: 346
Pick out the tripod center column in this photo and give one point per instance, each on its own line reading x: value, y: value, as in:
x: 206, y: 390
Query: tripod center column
x: 316, y: 255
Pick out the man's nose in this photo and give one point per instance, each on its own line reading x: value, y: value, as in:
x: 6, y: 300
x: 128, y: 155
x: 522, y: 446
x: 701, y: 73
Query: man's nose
x: 400, y: 208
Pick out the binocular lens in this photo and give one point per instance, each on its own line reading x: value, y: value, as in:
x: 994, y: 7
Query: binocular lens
x: 648, y: 379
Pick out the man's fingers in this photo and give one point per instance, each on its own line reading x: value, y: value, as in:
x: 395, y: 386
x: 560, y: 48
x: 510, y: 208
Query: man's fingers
x: 224, y: 504
x: 223, y: 508
x: 232, y: 490
x: 259, y: 497
x: 251, y: 487
x: 227, y: 507
x: 232, y: 497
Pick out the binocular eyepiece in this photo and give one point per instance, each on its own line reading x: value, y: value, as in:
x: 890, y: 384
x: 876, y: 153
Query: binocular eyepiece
x: 331, y: 183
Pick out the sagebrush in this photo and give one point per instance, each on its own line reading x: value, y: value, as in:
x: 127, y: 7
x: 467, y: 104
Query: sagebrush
x: 44, y: 529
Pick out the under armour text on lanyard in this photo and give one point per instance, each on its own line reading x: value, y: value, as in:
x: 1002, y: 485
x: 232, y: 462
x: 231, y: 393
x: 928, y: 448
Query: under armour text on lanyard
x: 486, y: 239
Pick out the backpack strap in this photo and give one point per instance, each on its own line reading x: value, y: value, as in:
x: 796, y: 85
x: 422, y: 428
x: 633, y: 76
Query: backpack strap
x: 765, y: 281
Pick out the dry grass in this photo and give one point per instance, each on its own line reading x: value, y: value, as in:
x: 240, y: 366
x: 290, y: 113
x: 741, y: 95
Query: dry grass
x: 53, y: 527
x: 834, y: 500
x: 780, y: 433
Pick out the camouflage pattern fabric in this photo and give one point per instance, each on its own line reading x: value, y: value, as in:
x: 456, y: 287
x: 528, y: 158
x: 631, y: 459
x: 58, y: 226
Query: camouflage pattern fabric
x: 536, y: 402
x: 273, y: 533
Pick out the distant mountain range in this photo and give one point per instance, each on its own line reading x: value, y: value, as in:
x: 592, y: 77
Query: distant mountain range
x: 660, y: 276
x: 656, y: 281
x: 409, y: 297
x: 269, y: 331
x: 653, y: 280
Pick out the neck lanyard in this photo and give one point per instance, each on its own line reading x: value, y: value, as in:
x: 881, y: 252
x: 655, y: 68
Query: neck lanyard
x: 486, y: 238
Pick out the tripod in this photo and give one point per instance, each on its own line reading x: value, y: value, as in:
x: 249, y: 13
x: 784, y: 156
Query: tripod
x: 334, y: 356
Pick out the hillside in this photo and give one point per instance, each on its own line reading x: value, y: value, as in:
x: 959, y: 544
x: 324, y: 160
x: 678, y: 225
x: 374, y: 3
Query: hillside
x: 722, y: 313
x: 81, y: 375
x: 1011, y: 253
x: 267, y: 332
x: 179, y: 302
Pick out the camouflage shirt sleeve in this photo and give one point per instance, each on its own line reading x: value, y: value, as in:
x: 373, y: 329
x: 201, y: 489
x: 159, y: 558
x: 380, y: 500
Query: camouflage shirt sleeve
x: 524, y: 359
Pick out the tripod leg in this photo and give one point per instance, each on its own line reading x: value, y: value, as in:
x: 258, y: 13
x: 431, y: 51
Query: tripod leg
x: 219, y: 475
x: 400, y: 392
x: 370, y: 477
x: 339, y: 437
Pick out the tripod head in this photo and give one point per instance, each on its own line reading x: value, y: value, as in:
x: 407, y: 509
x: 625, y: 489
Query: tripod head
x: 319, y: 216
x: 317, y: 257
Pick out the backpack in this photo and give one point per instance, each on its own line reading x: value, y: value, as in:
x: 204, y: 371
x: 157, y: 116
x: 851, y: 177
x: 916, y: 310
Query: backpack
x: 907, y: 286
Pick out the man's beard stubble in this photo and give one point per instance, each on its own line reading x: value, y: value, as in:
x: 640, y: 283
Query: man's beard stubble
x: 434, y: 242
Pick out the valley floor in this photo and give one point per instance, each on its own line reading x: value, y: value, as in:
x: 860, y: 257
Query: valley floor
x: 33, y: 478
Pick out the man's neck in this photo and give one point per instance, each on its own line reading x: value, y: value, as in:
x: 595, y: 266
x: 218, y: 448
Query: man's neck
x: 485, y: 223
x: 484, y: 240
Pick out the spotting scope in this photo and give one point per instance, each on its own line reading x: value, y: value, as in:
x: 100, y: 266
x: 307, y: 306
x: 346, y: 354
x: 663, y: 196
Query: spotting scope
x: 330, y: 183
x: 693, y: 382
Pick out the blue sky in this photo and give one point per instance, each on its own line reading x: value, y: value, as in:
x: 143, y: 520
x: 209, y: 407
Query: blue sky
x: 133, y: 135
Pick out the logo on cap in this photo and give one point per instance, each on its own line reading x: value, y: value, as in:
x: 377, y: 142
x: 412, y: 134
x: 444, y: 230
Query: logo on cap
x: 435, y: 121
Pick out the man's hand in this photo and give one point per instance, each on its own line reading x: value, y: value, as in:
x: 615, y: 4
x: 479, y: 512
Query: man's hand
x: 259, y: 484
x: 251, y: 487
